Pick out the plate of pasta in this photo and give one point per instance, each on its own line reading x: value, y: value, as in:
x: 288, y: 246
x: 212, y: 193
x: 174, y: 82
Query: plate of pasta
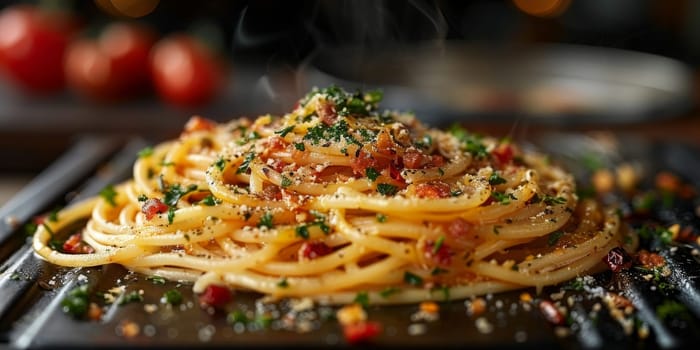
x: 337, y: 217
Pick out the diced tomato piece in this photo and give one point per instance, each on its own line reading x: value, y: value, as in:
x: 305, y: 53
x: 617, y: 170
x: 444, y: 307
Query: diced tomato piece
x: 460, y: 227
x: 414, y: 159
x: 313, y: 250
x: 650, y: 260
x: 361, y: 331
x: 385, y: 145
x: 437, y: 160
x: 443, y: 255
x: 395, y: 173
x: 433, y: 189
x: 153, y: 206
x: 215, y: 295
x: 197, y: 123
x: 327, y: 114
x: 75, y: 245
x: 503, y: 153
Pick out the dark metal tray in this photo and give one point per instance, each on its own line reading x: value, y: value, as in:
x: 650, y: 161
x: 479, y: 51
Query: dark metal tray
x: 31, y: 290
x: 551, y: 84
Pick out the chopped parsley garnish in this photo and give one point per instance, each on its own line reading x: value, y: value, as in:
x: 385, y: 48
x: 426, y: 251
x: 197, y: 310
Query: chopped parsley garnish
x: 175, y: 192
x: 362, y: 298
x: 300, y: 146
x: 283, y: 283
x: 155, y: 279
x: 652, y: 232
x: 302, y: 231
x: 346, y: 102
x: 266, y: 220
x: 554, y: 237
x: 237, y: 316
x: 246, y: 163
x: 576, y: 284
x: 142, y: 198
x: 551, y: 200
x: 372, y: 173
x: 495, y: 179
x: 412, y: 279
x: 337, y: 132
x: 172, y: 297
x: 30, y: 228
x: 171, y: 214
x: 286, y: 182
x: 220, y: 164
x: 210, y: 200
x: 145, y: 152
x: 438, y: 244
x: 76, y: 303
x: 131, y: 297
x: 285, y: 131
x: 381, y: 218
x: 470, y: 142
x: 503, y: 198
x: 672, y: 309
x: 388, y: 291
x: 108, y: 194
x: 387, y: 189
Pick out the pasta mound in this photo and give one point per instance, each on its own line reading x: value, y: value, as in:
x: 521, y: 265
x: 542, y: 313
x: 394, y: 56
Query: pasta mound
x: 337, y: 198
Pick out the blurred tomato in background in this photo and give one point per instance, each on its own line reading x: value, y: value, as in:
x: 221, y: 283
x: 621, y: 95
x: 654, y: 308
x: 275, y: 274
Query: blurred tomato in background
x: 114, y: 66
x: 185, y: 71
x: 33, y: 41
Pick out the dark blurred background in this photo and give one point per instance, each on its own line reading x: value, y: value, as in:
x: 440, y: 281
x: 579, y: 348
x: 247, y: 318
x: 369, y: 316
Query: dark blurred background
x: 583, y: 63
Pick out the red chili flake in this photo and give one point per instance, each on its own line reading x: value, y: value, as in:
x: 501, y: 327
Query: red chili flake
x: 459, y: 228
x: 313, y: 250
x: 433, y: 189
x: 441, y: 254
x: 361, y: 331
x: 198, y: 123
x: 650, y: 260
x: 551, y: 313
x: 395, y: 173
x: 153, y: 206
x: 215, y: 295
x: 327, y: 114
x: 503, y: 153
x: 75, y: 245
x: 618, y: 259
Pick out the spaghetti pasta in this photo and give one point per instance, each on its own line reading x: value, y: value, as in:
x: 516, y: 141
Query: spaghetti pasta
x: 337, y: 198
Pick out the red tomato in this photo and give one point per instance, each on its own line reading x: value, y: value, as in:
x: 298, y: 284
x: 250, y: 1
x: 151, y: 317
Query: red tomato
x: 361, y: 331
x: 185, y: 72
x: 113, y: 67
x: 215, y: 296
x: 32, y: 46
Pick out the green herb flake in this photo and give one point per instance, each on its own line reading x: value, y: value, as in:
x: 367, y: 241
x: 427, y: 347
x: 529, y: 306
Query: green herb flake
x: 210, y: 200
x: 175, y: 192
x: 155, y: 279
x: 285, y: 131
x: 302, y: 231
x: 237, y: 316
x: 438, y: 244
x: 387, y: 189
x: 142, y: 198
x: 372, y: 173
x: 266, y: 220
x: 145, y: 152
x: 495, y: 179
x: 362, y: 298
x: 220, y: 164
x: 283, y: 283
x: 551, y: 200
x: 388, y: 291
x: 381, y: 218
x: 76, y: 302
x: 131, y: 297
x: 300, y: 146
x: 246, y: 163
x: 286, y: 182
x: 171, y: 215
x: 554, y: 237
x: 503, y: 198
x: 109, y: 194
x: 172, y: 297
x: 412, y: 279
